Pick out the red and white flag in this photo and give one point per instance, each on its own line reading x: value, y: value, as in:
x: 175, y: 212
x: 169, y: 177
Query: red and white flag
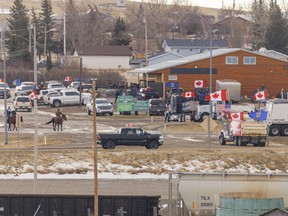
x: 199, y: 83
x: 33, y: 95
x: 188, y: 94
x: 262, y: 95
x: 217, y: 96
x: 67, y: 79
x: 236, y: 116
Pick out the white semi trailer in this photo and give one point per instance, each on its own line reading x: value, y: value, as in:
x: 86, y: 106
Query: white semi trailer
x: 277, y: 117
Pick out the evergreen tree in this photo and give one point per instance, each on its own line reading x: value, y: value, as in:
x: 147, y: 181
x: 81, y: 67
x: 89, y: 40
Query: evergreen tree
x: 120, y: 36
x: 18, y: 35
x: 276, y: 37
x: 45, y: 26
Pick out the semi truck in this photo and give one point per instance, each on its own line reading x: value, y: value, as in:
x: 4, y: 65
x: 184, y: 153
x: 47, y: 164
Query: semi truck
x: 179, y: 107
x: 277, y: 116
x: 233, y: 87
x: 242, y: 132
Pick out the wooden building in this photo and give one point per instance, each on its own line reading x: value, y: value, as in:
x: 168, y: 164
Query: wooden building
x: 251, y: 69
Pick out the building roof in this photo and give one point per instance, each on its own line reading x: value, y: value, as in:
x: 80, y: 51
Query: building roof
x: 88, y: 50
x: 161, y: 54
x: 192, y: 58
x: 199, y: 43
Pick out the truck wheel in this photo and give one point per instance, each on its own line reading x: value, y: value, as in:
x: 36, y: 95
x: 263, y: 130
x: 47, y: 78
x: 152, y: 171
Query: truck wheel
x: 274, y: 130
x: 111, y: 114
x: 56, y: 103
x: 110, y: 144
x: 239, y: 142
x: 153, y: 144
x: 285, y: 131
x: 222, y: 139
x: 235, y: 141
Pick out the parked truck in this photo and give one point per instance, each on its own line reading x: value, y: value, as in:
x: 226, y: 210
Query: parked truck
x: 242, y: 132
x: 277, y: 116
x: 233, y: 87
x: 180, y: 107
x: 130, y: 136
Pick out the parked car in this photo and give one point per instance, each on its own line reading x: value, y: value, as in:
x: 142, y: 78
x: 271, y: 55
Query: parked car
x: 74, y: 84
x: 157, y: 106
x: 22, y: 102
x: 147, y: 95
x: 85, y: 88
x: 56, y: 86
x: 25, y: 90
x: 2, y: 87
x: 52, y: 93
x: 103, y: 106
x: 42, y: 94
x: 19, y: 88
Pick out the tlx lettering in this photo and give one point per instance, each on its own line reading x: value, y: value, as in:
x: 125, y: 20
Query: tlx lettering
x: 205, y: 197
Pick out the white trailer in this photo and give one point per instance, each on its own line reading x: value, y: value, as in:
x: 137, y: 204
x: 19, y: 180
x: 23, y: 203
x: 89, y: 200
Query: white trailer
x: 277, y: 117
x: 233, y: 88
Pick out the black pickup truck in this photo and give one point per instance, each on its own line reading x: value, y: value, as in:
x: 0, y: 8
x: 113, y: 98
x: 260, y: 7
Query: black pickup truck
x: 130, y: 136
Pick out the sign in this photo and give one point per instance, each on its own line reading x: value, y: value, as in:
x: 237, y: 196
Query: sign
x: 204, y: 124
x: 172, y: 84
x: 172, y: 77
x: 141, y: 106
x: 124, y: 99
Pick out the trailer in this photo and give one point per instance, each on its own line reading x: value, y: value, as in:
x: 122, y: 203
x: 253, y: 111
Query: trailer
x: 78, y: 205
x: 233, y: 87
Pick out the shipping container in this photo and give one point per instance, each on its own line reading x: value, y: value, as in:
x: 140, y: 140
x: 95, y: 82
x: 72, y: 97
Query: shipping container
x: 78, y: 205
x: 233, y: 88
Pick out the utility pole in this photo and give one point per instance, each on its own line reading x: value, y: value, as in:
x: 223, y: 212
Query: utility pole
x: 35, y: 116
x: 95, y: 150
x: 64, y: 31
x: 29, y: 29
x: 80, y: 86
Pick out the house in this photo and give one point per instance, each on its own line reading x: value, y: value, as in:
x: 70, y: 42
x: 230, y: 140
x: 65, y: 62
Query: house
x: 272, y: 53
x: 187, y: 47
x: 235, y: 29
x: 104, y: 57
x: 249, y: 68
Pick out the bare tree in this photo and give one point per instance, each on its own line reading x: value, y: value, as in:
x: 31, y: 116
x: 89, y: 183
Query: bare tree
x: 260, y: 15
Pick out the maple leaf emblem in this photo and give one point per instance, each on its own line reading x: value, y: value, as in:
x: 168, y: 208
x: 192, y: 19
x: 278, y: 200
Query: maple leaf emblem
x: 188, y: 94
x: 198, y: 83
x: 235, y: 115
x: 215, y: 95
x: 259, y: 95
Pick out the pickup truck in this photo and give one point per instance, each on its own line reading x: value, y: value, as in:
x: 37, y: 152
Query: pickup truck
x: 130, y: 136
x: 67, y: 97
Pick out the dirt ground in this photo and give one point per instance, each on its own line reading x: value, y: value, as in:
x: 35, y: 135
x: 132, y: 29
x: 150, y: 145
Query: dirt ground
x: 184, y: 143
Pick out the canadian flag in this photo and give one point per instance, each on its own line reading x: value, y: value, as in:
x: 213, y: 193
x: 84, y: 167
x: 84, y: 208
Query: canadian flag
x: 217, y: 96
x: 262, y: 95
x: 188, y: 94
x: 236, y: 116
x: 199, y: 83
x: 67, y: 79
x: 33, y: 95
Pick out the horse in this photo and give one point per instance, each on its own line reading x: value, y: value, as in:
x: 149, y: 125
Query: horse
x: 57, y: 121
x: 12, y: 121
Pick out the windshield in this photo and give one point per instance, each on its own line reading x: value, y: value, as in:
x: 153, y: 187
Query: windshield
x: 156, y: 102
x: 102, y: 102
x: 25, y: 88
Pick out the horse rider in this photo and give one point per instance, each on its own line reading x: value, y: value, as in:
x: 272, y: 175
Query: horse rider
x: 58, y: 112
x: 8, y: 114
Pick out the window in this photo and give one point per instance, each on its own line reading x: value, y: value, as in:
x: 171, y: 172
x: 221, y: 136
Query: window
x: 231, y: 60
x: 250, y: 60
